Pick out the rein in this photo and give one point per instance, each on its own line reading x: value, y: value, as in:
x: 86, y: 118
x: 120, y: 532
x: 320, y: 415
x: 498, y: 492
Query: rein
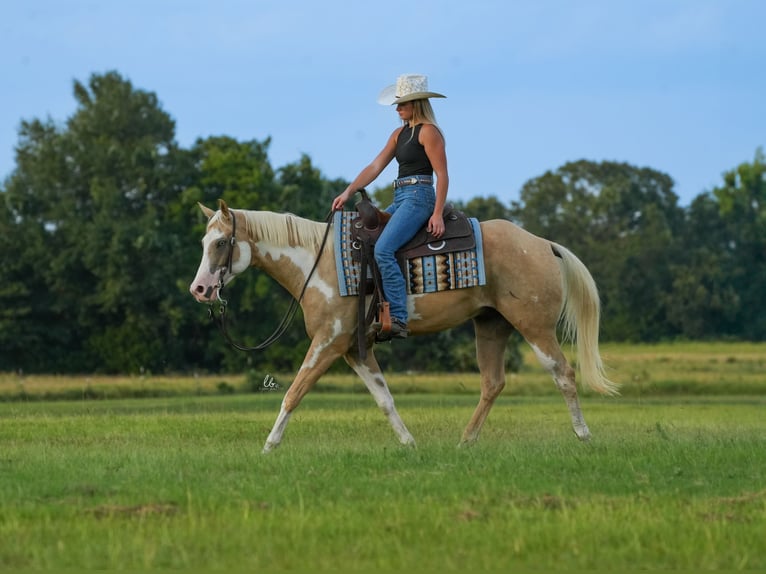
x: 220, y: 318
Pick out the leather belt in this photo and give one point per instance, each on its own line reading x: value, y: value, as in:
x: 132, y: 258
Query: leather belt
x: 413, y: 180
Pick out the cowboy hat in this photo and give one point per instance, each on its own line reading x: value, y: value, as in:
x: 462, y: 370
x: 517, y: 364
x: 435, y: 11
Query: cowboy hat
x: 408, y: 87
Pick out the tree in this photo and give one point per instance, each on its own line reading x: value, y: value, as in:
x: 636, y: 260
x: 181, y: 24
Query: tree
x: 26, y: 322
x: 95, y: 195
x: 485, y: 208
x: 719, y: 288
x: 305, y: 192
x: 742, y: 203
x: 238, y: 172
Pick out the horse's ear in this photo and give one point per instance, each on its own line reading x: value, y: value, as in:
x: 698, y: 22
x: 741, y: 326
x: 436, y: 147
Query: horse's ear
x: 206, y: 210
x: 224, y: 208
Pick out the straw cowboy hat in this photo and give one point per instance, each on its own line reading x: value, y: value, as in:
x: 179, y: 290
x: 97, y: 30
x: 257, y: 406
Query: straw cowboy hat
x: 407, y: 88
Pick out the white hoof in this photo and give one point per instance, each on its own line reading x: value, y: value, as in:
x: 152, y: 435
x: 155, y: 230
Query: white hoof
x: 582, y: 433
x: 408, y: 441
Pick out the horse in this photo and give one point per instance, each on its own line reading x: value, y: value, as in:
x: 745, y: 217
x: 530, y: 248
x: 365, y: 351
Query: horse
x: 532, y: 286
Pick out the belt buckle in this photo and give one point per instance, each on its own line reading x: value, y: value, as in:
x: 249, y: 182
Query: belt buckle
x: 412, y: 180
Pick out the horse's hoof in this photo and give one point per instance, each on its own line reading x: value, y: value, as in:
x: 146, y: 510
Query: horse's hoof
x: 467, y: 443
x: 583, y: 434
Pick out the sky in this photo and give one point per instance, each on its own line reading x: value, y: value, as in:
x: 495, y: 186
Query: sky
x: 678, y: 86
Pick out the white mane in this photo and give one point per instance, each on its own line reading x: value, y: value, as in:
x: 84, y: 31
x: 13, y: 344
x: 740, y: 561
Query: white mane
x: 283, y: 229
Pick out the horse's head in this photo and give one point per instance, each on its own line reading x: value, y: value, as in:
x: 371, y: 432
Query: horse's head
x: 225, y: 253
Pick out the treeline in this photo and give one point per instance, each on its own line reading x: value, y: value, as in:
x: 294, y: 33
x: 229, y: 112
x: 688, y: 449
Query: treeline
x: 100, y: 231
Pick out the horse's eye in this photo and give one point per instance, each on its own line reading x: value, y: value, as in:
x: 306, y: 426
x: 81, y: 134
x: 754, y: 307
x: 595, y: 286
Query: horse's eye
x: 222, y: 243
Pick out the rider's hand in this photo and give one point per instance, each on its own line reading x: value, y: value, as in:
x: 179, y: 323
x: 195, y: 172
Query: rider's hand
x: 340, y: 201
x: 436, y: 226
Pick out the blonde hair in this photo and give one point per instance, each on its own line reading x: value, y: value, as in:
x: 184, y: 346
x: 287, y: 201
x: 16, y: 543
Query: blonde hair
x: 423, y: 113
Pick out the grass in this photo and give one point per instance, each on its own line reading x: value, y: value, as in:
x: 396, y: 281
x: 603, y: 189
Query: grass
x: 673, y: 478
x: 177, y: 483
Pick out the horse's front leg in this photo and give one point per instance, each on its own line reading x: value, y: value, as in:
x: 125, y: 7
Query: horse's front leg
x: 369, y: 371
x: 324, y: 349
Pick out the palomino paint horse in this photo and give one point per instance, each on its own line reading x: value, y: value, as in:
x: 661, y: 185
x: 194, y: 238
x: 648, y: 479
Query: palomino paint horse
x: 531, y: 285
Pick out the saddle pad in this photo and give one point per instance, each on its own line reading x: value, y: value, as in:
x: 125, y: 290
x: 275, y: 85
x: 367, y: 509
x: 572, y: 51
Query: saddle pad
x: 426, y: 274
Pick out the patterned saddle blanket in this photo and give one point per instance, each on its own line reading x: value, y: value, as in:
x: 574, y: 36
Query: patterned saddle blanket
x: 430, y: 268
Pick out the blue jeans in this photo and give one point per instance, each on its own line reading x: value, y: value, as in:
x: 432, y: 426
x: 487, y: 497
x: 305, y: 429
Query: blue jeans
x: 412, y: 208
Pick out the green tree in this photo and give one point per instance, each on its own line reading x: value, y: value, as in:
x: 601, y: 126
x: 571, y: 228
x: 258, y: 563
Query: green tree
x: 26, y: 322
x: 485, y: 208
x: 719, y: 287
x: 742, y: 201
x: 305, y: 192
x: 95, y: 194
x: 238, y: 172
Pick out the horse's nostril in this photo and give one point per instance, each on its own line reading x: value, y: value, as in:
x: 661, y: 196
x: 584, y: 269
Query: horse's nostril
x: 199, y: 289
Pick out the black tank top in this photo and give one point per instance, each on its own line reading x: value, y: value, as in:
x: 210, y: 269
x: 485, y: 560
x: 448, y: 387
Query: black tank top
x: 411, y: 155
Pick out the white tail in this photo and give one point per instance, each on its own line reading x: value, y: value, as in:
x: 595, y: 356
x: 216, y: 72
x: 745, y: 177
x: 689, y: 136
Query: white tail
x: 580, y: 318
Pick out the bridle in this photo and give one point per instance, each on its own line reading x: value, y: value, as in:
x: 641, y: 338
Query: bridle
x: 220, y: 318
x: 227, y: 269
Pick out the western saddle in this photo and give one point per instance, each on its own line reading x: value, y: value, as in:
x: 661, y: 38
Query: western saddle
x: 365, y: 230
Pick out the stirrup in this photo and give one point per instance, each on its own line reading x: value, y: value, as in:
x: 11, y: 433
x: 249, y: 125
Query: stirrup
x: 398, y: 330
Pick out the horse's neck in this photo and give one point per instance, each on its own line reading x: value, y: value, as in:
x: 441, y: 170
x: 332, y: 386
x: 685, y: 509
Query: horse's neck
x: 289, y: 254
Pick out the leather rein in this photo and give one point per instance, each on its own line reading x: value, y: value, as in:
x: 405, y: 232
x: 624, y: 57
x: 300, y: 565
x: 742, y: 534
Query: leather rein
x: 220, y: 318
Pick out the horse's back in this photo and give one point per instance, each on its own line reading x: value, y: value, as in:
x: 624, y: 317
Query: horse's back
x: 505, y: 243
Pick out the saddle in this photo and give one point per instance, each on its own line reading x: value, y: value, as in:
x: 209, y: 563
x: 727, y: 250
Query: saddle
x: 365, y: 230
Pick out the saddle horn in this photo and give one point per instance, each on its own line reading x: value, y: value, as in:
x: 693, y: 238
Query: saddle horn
x: 371, y: 216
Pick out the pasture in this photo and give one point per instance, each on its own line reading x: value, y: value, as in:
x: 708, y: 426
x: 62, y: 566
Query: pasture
x: 673, y: 478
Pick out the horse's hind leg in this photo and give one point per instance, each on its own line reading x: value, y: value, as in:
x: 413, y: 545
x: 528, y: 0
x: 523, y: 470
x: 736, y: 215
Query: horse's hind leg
x: 369, y: 371
x: 552, y: 359
x: 492, y: 332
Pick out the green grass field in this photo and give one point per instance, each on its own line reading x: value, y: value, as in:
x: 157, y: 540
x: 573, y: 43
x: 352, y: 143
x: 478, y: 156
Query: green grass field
x: 673, y: 478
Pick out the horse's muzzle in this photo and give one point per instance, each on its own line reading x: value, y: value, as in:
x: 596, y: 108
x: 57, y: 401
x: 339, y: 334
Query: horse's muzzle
x: 203, y: 294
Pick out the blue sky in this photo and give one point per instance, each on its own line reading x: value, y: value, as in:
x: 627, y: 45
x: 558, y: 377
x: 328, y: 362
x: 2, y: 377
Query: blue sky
x: 675, y: 85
